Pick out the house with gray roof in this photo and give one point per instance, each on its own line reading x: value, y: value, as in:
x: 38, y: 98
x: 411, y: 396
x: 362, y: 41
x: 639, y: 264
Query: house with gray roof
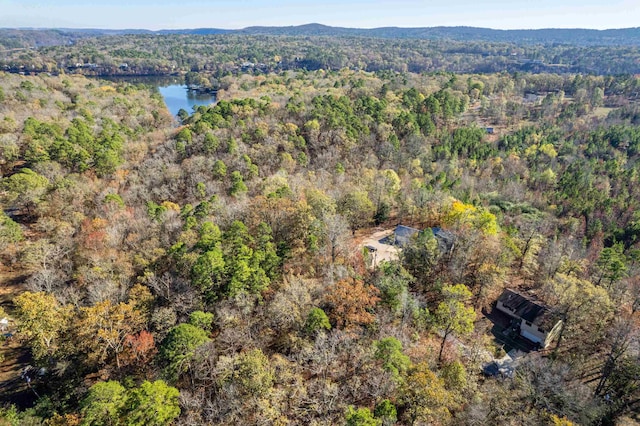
x: 402, y: 236
x: 537, y: 322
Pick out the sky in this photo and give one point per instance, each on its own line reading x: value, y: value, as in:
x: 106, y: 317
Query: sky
x: 235, y: 14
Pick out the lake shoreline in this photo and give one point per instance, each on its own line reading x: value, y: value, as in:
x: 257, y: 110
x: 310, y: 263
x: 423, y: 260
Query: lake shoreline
x: 173, y: 89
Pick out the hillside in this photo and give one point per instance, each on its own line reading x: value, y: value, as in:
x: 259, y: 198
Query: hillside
x: 221, y: 54
x: 577, y: 37
x: 574, y: 36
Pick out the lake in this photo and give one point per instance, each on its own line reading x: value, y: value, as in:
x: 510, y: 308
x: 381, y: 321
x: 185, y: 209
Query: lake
x: 173, y: 90
x: 177, y: 97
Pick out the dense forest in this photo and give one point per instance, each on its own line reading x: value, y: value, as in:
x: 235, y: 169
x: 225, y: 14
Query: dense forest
x: 212, y: 268
x: 575, y: 36
x: 264, y: 50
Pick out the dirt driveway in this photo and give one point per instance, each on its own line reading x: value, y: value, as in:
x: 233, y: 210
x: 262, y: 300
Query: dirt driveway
x: 376, y: 243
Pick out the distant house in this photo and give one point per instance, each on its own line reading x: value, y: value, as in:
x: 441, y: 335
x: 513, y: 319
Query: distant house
x: 537, y: 323
x: 531, y: 98
x: 402, y: 236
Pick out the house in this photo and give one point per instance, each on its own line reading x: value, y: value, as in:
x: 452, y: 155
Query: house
x: 531, y: 98
x: 537, y: 322
x: 386, y: 245
x: 402, y: 235
x: 489, y: 130
x: 445, y: 239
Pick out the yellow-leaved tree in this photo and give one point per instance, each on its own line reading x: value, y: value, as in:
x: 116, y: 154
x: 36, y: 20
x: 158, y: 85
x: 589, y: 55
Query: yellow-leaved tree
x: 583, y: 307
x: 452, y: 315
x: 462, y: 215
x: 104, y: 327
x: 424, y: 397
x: 43, y: 322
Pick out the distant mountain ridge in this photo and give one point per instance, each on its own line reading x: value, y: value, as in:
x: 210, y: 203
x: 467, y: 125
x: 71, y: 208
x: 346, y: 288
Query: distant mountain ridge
x: 578, y: 37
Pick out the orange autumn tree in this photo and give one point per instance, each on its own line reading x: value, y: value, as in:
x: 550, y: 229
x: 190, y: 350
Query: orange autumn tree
x: 351, y: 302
x: 138, y: 349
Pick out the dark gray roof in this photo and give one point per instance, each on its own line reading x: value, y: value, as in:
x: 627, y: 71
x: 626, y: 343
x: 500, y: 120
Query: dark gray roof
x: 403, y: 235
x: 445, y: 239
x: 525, y: 308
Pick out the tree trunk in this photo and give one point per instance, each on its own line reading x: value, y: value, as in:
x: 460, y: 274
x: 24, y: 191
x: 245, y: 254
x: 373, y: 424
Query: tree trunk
x: 444, y: 340
x: 525, y: 251
x: 562, y: 328
x: 334, y: 243
x: 478, y: 295
x: 606, y: 372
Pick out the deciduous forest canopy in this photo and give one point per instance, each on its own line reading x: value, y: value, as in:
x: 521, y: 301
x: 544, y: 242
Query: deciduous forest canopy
x: 213, y: 268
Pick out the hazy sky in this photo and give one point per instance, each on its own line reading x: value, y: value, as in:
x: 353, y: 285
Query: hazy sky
x: 157, y: 14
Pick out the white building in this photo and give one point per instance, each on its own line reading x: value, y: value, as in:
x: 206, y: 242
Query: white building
x: 537, y: 322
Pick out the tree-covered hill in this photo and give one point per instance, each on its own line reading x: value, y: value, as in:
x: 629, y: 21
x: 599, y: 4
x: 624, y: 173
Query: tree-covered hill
x: 154, y: 54
x: 576, y: 37
x: 572, y: 36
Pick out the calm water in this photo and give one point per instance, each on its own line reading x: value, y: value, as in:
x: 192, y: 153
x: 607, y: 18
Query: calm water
x: 175, y: 93
x: 177, y: 97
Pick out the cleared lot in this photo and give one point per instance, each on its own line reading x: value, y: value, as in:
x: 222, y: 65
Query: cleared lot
x: 377, y: 244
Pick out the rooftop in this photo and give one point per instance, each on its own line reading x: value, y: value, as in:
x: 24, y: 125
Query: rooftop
x: 403, y: 235
x: 526, y: 308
